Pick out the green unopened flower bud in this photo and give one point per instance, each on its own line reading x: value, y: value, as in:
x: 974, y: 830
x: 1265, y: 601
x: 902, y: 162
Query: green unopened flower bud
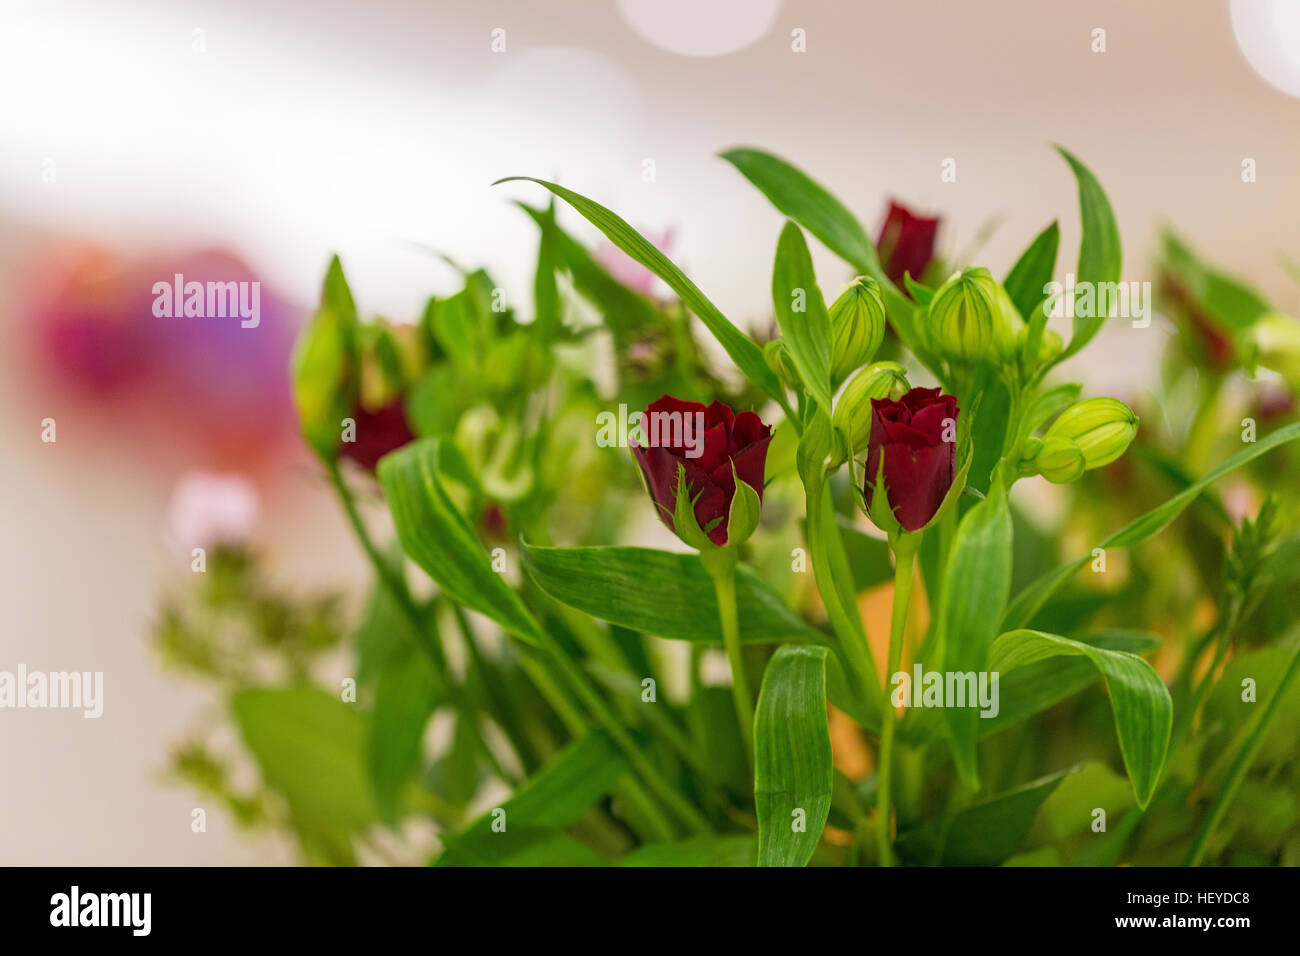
x: 777, y: 357
x: 1059, y: 460
x: 1275, y: 343
x: 857, y: 327
x: 1102, y: 428
x: 1050, y: 346
x: 972, y: 318
x: 852, y: 415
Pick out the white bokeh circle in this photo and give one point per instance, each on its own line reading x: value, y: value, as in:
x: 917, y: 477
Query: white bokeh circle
x: 700, y: 27
x: 1268, y: 33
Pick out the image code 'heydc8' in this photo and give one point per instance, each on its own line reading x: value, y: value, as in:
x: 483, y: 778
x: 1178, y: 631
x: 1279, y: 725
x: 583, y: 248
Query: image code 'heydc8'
x: 643, y: 434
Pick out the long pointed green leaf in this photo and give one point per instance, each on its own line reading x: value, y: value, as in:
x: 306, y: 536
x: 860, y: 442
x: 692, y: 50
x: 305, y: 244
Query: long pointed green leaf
x: 1139, y: 700
x: 747, y: 356
x: 1100, y: 253
x: 974, y: 592
x: 661, y: 593
x: 1032, y: 271
x: 1028, y: 602
x: 436, y: 536
x: 807, y: 202
x: 793, y: 775
x: 801, y: 314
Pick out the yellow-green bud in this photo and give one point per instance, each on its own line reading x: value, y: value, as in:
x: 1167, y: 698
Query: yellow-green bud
x: 857, y: 327
x: 1102, y: 428
x: 1059, y: 460
x: 1275, y: 342
x: 852, y: 415
x: 777, y: 357
x: 972, y: 318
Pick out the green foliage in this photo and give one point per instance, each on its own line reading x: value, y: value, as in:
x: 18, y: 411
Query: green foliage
x: 555, y: 692
x: 792, y: 750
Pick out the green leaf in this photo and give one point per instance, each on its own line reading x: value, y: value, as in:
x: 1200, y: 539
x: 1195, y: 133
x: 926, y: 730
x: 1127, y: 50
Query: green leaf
x: 711, y: 851
x: 1028, y: 602
x: 562, y: 791
x: 546, y: 294
x: 323, y: 378
x: 405, y: 696
x: 806, y: 329
x: 1100, y: 255
x: 799, y: 198
x: 747, y: 356
x: 1032, y: 689
x: 624, y: 310
x: 335, y: 294
x: 454, y: 328
x: 1233, y: 304
x: 521, y: 846
x: 921, y: 294
x: 1069, y: 810
x: 661, y: 593
x: 983, y: 834
x: 554, y: 797
x: 436, y: 536
x: 807, y: 203
x: 975, y: 587
x: 1265, y: 666
x: 793, y: 776
x: 1032, y: 271
x: 1139, y: 700
x: 310, y: 746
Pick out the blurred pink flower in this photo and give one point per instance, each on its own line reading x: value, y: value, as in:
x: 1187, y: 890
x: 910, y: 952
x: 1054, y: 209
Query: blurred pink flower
x: 626, y: 269
x: 205, y: 390
x: 208, y: 509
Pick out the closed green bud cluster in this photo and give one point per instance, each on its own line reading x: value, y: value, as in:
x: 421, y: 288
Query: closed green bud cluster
x: 1085, y: 436
x: 972, y: 319
x: 852, y: 415
x: 777, y: 357
x: 857, y: 327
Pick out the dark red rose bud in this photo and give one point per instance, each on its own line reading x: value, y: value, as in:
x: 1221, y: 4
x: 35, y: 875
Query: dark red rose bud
x: 377, y: 433
x: 706, y: 441
x: 918, y: 463
x: 906, y: 242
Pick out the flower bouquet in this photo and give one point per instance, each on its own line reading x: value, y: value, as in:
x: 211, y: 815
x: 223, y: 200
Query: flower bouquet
x: 924, y: 601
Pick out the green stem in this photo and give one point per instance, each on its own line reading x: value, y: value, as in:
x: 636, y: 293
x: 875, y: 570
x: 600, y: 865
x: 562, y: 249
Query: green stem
x: 608, y: 721
x: 721, y: 565
x: 852, y: 636
x: 389, y: 577
x: 904, y: 555
x: 1249, y: 748
x: 542, y: 679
